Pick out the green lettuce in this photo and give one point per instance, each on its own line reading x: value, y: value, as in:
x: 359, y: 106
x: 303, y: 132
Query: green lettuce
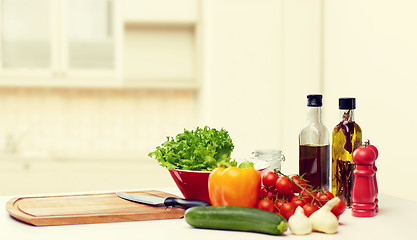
x: 200, y: 150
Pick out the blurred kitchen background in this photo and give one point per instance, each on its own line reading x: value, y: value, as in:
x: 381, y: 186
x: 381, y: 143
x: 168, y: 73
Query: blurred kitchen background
x: 89, y: 87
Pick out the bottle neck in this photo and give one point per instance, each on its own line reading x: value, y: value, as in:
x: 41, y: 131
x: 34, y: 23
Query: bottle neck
x: 313, y: 115
x: 347, y: 115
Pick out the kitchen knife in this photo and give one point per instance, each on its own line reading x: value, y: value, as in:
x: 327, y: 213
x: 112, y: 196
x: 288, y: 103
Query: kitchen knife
x: 159, y: 201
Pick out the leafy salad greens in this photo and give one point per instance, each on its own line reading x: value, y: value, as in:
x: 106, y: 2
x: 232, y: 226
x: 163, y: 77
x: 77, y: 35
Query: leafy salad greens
x: 202, y: 149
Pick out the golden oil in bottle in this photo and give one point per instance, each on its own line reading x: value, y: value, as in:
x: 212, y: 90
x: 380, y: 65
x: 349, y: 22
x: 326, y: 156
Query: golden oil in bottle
x: 346, y: 137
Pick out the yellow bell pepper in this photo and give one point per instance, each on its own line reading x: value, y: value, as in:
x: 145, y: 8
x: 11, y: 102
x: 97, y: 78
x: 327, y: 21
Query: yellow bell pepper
x: 234, y: 186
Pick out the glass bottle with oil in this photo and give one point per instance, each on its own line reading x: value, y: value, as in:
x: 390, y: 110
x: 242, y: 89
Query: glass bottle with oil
x: 314, y: 150
x: 346, y: 137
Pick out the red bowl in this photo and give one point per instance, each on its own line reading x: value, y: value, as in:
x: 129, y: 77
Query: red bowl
x: 192, y: 184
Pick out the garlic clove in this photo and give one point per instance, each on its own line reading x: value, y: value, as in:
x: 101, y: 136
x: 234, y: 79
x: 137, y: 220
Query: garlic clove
x: 298, y: 223
x: 323, y: 220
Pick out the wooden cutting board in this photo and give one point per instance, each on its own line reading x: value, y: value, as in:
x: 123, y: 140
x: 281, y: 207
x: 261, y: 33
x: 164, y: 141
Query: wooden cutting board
x: 88, y: 208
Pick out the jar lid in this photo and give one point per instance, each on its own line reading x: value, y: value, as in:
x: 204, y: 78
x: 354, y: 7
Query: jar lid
x: 347, y: 103
x: 314, y: 100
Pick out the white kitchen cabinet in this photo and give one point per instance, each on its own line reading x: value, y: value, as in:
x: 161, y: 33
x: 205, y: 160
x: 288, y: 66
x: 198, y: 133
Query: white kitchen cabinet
x: 26, y: 34
x: 59, y: 41
x: 162, y: 43
x: 100, y: 43
x: 162, y: 11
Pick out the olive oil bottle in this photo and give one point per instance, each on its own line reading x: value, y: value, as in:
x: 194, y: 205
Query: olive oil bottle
x: 346, y: 137
x: 314, y: 150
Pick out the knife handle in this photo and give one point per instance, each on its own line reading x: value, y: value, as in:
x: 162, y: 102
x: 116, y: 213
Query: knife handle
x: 184, y: 203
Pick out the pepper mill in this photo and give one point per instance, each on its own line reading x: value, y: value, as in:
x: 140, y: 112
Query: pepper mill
x: 364, y: 190
x: 376, y: 188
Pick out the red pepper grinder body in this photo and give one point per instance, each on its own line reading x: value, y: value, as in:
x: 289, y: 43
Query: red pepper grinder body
x: 367, y: 143
x: 364, y: 192
x: 376, y: 189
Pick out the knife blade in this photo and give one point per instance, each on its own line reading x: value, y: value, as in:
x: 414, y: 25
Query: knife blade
x: 159, y: 201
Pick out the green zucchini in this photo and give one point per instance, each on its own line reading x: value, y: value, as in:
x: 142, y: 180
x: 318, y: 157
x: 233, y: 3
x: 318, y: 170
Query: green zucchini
x: 236, y: 218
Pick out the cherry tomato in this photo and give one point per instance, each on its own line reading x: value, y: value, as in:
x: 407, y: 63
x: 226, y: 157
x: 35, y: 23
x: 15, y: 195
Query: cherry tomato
x: 268, y: 193
x: 266, y: 204
x: 269, y: 179
x: 329, y: 194
x: 284, y: 186
x: 298, y: 201
x: 263, y: 192
x: 309, y: 209
x: 288, y: 209
x: 364, y: 155
x: 278, y: 204
x: 339, y: 208
x: 298, y: 180
x: 324, y: 196
x: 286, y: 198
x: 306, y: 195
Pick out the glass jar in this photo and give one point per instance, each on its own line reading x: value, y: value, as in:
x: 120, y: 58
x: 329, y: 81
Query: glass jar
x: 273, y: 156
